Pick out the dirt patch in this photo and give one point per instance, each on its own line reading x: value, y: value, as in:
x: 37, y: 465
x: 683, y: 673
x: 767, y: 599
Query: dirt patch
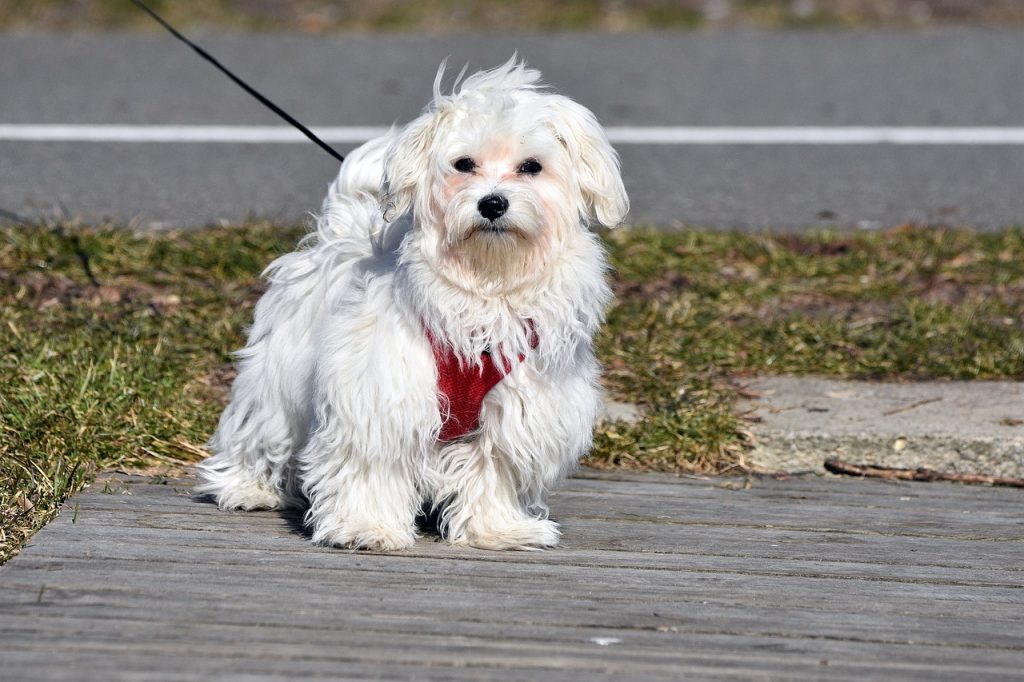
x: 44, y: 291
x: 805, y: 246
x: 820, y: 306
x: 669, y: 282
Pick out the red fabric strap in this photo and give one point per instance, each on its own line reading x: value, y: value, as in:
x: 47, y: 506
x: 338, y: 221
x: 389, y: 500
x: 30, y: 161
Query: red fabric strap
x: 462, y: 387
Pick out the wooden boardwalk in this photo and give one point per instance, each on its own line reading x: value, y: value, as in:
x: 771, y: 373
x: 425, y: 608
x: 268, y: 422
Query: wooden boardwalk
x: 658, y: 578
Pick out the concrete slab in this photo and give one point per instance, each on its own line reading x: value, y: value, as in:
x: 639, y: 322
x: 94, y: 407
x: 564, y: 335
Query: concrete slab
x: 962, y: 427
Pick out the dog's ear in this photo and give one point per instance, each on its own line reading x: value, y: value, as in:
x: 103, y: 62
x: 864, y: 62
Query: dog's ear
x: 406, y: 164
x: 596, y: 162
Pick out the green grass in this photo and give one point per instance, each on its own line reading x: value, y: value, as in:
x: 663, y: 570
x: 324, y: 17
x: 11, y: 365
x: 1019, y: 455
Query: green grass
x: 698, y: 311
x: 130, y: 373
x: 438, y: 16
x: 115, y: 349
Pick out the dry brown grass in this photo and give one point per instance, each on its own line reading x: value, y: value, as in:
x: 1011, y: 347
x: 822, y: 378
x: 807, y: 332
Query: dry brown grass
x: 441, y: 16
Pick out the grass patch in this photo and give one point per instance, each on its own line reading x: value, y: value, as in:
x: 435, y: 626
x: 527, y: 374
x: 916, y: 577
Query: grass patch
x: 114, y: 353
x: 441, y: 16
x: 697, y: 311
x: 115, y: 350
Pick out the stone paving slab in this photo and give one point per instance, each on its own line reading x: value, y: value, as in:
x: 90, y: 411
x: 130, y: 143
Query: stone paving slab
x: 974, y: 427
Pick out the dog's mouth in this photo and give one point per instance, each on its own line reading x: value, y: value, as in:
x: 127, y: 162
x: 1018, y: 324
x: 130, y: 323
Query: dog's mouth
x: 497, y: 228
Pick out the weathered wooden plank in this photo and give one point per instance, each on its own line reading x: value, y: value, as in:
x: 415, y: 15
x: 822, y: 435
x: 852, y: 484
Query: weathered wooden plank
x: 170, y: 549
x: 372, y: 630
x: 908, y: 517
x: 694, y: 579
x: 881, y: 497
x: 901, y: 515
x: 963, y: 524
x: 840, y: 486
x: 637, y: 652
x: 937, y: 497
x: 392, y: 629
x: 891, y: 498
x: 608, y: 522
x: 836, y: 490
x: 128, y: 665
x: 678, y: 585
x: 737, y: 606
x: 121, y: 664
x: 271, y: 530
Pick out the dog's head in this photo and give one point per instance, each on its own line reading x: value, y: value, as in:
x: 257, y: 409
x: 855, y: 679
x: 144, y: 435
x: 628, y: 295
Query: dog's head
x: 500, y: 176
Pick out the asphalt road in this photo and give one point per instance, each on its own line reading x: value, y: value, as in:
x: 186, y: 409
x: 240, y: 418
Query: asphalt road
x: 946, y: 78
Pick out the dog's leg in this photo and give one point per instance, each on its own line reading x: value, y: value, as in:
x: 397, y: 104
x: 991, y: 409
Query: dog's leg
x: 533, y: 433
x: 251, y: 467
x: 267, y: 420
x: 375, y: 419
x: 233, y: 486
x: 360, y: 502
x: 481, y: 505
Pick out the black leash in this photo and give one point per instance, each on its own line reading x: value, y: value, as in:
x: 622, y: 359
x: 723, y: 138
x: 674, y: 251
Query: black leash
x: 242, y: 84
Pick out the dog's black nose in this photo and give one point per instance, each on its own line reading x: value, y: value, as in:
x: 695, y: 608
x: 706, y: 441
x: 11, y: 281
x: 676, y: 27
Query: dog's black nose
x: 492, y: 206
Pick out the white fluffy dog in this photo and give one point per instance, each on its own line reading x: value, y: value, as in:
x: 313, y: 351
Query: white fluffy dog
x: 431, y: 342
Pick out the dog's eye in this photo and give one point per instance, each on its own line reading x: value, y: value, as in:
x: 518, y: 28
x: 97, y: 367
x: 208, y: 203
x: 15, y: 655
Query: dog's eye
x: 530, y: 167
x: 465, y: 165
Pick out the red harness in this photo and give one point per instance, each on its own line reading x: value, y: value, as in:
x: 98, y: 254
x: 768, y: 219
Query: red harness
x: 463, y: 387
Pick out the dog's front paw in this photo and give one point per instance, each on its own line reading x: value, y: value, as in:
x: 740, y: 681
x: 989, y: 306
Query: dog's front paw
x: 377, y: 537
x: 524, y: 534
x: 243, y: 493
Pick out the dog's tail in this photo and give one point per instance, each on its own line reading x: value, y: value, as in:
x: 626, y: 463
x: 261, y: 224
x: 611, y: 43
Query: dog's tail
x: 362, y: 170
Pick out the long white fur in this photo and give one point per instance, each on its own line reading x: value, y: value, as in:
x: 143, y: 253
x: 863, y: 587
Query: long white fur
x: 335, y: 404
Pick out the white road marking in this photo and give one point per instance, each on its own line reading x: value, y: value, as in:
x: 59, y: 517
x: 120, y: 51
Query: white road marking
x: 815, y: 135
x: 681, y: 135
x: 179, y: 133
